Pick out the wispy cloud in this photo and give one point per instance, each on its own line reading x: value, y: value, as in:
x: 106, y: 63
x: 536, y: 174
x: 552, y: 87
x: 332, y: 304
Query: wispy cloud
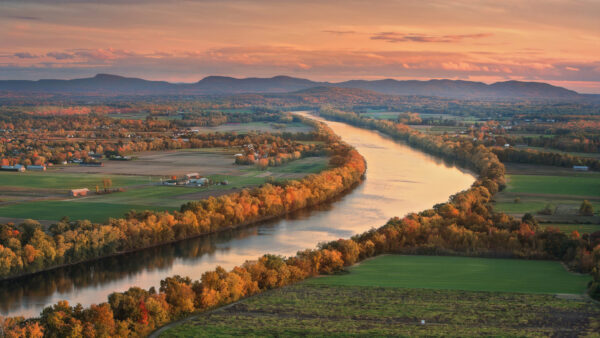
x: 25, y: 55
x: 23, y: 17
x: 339, y: 32
x: 395, y: 37
x: 60, y: 55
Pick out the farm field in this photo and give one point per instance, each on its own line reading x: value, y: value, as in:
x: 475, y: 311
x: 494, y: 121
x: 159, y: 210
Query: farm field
x: 243, y: 128
x: 460, y: 273
x: 166, y: 163
x: 588, y: 185
x: 374, y: 300
x: 562, y: 193
x: 62, y: 181
x: 438, y: 130
x: 141, y: 193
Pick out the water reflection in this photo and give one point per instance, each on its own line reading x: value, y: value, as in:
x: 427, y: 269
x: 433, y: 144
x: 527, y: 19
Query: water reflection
x: 399, y: 180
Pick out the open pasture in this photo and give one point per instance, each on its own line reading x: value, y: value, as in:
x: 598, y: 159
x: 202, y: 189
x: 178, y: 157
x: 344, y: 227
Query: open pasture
x: 243, y: 128
x: 460, y: 273
x: 141, y: 192
x: 558, y: 189
x: 167, y: 163
x: 376, y: 298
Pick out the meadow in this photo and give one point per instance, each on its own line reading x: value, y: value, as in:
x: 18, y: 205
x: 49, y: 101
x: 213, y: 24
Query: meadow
x: 244, y: 128
x: 562, y: 193
x: 141, y: 192
x: 390, y: 295
x: 63, y: 181
x: 588, y: 185
x: 460, y: 273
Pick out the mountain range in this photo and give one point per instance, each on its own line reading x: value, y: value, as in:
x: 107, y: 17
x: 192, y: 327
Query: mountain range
x: 107, y: 84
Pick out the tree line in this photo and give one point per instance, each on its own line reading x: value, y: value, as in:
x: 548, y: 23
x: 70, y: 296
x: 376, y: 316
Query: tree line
x: 532, y: 156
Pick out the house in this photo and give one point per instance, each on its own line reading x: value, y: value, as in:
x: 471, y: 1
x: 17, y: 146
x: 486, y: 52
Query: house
x: 79, y: 192
x: 580, y: 168
x: 36, y: 167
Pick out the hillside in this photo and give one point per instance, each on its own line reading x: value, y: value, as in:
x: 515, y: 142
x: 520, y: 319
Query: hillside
x: 105, y: 84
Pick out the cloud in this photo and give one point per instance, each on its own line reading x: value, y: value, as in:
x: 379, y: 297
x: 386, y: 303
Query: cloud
x: 60, y: 55
x: 339, y: 32
x: 25, y: 55
x: 23, y: 17
x: 394, y: 37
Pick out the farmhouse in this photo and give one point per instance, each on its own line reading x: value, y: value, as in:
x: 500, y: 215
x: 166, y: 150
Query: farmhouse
x: 580, y: 168
x: 79, y: 192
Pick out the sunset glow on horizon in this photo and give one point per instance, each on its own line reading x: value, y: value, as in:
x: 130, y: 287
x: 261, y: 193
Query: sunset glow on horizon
x: 555, y: 41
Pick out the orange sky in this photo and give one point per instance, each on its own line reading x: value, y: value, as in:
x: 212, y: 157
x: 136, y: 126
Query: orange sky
x: 556, y: 41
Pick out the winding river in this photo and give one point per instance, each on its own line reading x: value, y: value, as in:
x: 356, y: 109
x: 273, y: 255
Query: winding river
x: 399, y: 180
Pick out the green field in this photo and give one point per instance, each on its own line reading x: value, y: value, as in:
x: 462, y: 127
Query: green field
x: 562, y: 185
x: 65, y: 181
x: 390, y: 295
x: 55, y: 210
x: 460, y: 273
x: 142, y: 196
x: 562, y: 192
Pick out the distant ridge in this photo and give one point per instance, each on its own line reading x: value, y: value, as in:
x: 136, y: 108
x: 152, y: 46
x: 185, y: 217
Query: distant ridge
x: 107, y: 84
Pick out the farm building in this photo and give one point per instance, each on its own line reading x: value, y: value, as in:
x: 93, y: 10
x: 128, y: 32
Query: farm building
x: 199, y: 181
x: 79, y: 192
x: 192, y: 175
x: 580, y: 168
x: 16, y: 167
x: 36, y: 167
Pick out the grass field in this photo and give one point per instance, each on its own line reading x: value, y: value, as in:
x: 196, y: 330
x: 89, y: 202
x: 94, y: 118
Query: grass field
x: 529, y: 191
x: 373, y: 300
x: 55, y: 210
x: 243, y: 128
x: 560, y: 185
x: 460, y: 273
x: 143, y: 196
x: 64, y: 181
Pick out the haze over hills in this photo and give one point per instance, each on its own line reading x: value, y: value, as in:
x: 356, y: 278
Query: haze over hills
x: 106, y: 84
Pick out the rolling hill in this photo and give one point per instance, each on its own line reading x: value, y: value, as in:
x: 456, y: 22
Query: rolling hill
x: 106, y: 84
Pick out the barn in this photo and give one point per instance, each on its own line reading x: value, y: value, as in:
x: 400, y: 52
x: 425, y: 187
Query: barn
x: 79, y: 192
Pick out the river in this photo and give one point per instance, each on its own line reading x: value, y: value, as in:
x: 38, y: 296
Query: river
x: 399, y: 180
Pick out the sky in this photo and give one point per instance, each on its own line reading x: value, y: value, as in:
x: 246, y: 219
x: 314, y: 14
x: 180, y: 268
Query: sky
x: 554, y: 41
